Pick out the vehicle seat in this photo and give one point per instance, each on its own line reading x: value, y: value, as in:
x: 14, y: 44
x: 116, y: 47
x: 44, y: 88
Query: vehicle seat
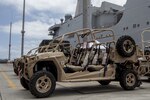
x: 92, y: 68
x: 74, y: 68
x: 96, y: 62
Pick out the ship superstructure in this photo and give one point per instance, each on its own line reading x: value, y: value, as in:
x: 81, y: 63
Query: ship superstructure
x: 131, y: 19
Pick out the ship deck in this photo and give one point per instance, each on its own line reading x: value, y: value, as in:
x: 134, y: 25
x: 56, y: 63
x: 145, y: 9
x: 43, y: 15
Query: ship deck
x: 10, y: 89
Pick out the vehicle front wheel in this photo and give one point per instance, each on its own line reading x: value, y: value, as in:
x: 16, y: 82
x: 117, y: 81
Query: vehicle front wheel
x: 104, y: 82
x: 129, y: 80
x: 42, y: 84
x: 16, y: 72
x: 24, y: 83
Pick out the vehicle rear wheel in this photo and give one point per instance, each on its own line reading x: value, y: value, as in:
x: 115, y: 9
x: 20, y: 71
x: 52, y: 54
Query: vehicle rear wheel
x: 149, y: 79
x: 129, y: 80
x: 126, y: 46
x: 147, y: 53
x: 42, y: 84
x: 104, y: 82
x: 24, y: 83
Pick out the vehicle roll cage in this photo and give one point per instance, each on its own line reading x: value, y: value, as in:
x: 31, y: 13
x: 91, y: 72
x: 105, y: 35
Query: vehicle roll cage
x: 86, y: 32
x: 79, y: 33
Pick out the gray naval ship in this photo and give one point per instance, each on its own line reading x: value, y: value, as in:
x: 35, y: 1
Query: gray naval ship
x: 130, y: 19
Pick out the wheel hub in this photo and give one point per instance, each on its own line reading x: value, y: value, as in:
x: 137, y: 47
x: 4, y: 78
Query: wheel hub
x: 130, y: 79
x: 43, y: 84
x: 128, y: 46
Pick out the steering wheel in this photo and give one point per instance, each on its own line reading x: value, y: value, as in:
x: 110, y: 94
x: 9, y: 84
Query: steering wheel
x: 65, y: 50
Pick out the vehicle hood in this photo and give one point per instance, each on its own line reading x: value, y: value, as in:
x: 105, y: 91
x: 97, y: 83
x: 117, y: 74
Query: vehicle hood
x: 49, y: 55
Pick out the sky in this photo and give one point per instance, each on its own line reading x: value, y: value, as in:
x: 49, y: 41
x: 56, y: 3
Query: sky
x: 40, y: 15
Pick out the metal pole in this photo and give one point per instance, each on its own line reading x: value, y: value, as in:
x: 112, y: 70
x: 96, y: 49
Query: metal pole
x: 86, y: 4
x: 9, y: 55
x: 23, y: 31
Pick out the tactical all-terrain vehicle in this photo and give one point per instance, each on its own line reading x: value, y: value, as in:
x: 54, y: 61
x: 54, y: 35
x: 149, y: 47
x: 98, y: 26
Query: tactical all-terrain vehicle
x: 90, y: 59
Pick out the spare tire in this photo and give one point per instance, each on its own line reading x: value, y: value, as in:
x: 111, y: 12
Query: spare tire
x: 126, y: 46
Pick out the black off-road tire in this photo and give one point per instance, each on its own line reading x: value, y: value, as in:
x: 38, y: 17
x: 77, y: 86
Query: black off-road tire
x: 123, y: 80
x: 34, y: 79
x: 16, y: 72
x: 104, y: 82
x: 148, y: 79
x: 120, y: 46
x: 24, y: 83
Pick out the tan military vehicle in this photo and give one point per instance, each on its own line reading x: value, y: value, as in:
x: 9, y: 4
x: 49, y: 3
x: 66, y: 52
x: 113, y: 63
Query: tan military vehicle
x: 90, y: 58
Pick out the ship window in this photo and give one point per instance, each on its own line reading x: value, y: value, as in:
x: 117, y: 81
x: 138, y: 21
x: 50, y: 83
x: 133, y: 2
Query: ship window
x: 134, y: 25
x: 138, y: 25
x: 148, y: 23
x: 124, y: 28
x: 127, y: 28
